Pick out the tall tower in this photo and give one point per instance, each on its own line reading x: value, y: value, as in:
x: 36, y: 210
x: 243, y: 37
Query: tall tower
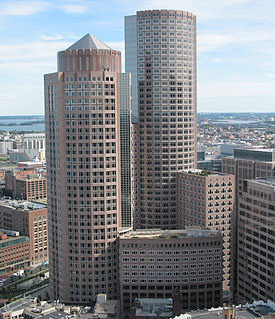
x: 83, y: 163
x: 125, y: 147
x: 161, y: 56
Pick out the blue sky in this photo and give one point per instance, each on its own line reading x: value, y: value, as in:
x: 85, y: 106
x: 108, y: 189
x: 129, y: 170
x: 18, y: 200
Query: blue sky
x: 236, y: 47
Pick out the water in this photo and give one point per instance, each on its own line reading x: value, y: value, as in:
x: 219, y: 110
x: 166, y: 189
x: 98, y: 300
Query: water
x: 233, y: 122
x: 36, y: 127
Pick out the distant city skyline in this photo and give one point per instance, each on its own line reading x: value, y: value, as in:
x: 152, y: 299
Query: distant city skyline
x: 236, y: 67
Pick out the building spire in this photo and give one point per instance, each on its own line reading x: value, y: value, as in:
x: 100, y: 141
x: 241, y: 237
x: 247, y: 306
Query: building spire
x: 89, y: 42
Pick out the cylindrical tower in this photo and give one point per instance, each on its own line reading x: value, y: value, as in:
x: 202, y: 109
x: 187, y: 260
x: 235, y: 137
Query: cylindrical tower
x: 83, y: 171
x: 161, y: 55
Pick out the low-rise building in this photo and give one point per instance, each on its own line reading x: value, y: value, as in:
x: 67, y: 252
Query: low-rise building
x: 30, y: 219
x: 27, y: 184
x: 161, y: 263
x: 145, y: 308
x: 31, y: 308
x: 5, y: 146
x: 106, y: 309
x: 258, y: 309
x: 14, y: 253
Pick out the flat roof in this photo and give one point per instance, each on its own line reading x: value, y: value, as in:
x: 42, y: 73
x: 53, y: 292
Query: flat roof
x: 108, y: 307
x: 265, y: 181
x: 218, y: 314
x: 157, y: 307
x: 17, y: 305
x: 203, y: 172
x: 248, y: 311
x: 22, y: 204
x: 193, y: 231
x: 10, y: 241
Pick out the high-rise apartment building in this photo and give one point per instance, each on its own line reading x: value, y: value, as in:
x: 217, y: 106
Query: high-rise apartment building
x: 207, y: 199
x: 164, y: 263
x: 161, y: 56
x: 125, y: 148
x: 256, y: 241
x: 83, y: 162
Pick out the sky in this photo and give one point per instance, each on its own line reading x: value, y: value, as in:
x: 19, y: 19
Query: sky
x: 236, y: 47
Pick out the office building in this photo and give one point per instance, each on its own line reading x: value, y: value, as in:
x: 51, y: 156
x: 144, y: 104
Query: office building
x: 256, y: 241
x: 249, y: 164
x: 33, y: 145
x: 17, y: 155
x: 161, y: 263
x: 160, y: 48
x: 83, y: 163
x: 14, y: 252
x: 125, y: 148
x: 30, y: 219
x: 5, y: 146
x: 207, y: 199
x: 227, y: 149
x: 209, y: 164
x: 28, y: 184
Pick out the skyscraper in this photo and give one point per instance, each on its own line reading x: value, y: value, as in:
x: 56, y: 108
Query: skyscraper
x: 161, y: 56
x: 83, y: 163
x: 125, y: 148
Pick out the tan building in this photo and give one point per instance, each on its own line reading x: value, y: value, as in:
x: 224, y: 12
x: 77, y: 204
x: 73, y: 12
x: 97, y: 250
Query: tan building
x: 160, y: 49
x: 83, y: 163
x: 207, y: 199
x: 256, y: 241
x: 249, y: 164
x: 159, y: 264
x: 14, y: 254
x: 2, y: 174
x: 31, y: 220
x: 27, y: 184
x: 106, y: 309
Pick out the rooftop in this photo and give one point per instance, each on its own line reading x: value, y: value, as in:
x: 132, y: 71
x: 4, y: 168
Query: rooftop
x: 30, y: 135
x: 10, y: 241
x: 202, y: 172
x: 192, y: 231
x: 33, y: 309
x: 260, y: 154
x: 22, y: 205
x: 89, y: 42
x: 149, y: 307
x: 265, y: 181
x: 108, y: 307
x: 248, y: 311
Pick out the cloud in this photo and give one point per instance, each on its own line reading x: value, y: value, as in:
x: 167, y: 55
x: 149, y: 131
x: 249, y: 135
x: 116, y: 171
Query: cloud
x: 51, y: 37
x: 213, y: 42
x: 15, y: 8
x: 270, y: 75
x: 32, y: 50
x: 116, y: 45
x: 236, y: 89
x: 74, y: 8
x: 205, y: 10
